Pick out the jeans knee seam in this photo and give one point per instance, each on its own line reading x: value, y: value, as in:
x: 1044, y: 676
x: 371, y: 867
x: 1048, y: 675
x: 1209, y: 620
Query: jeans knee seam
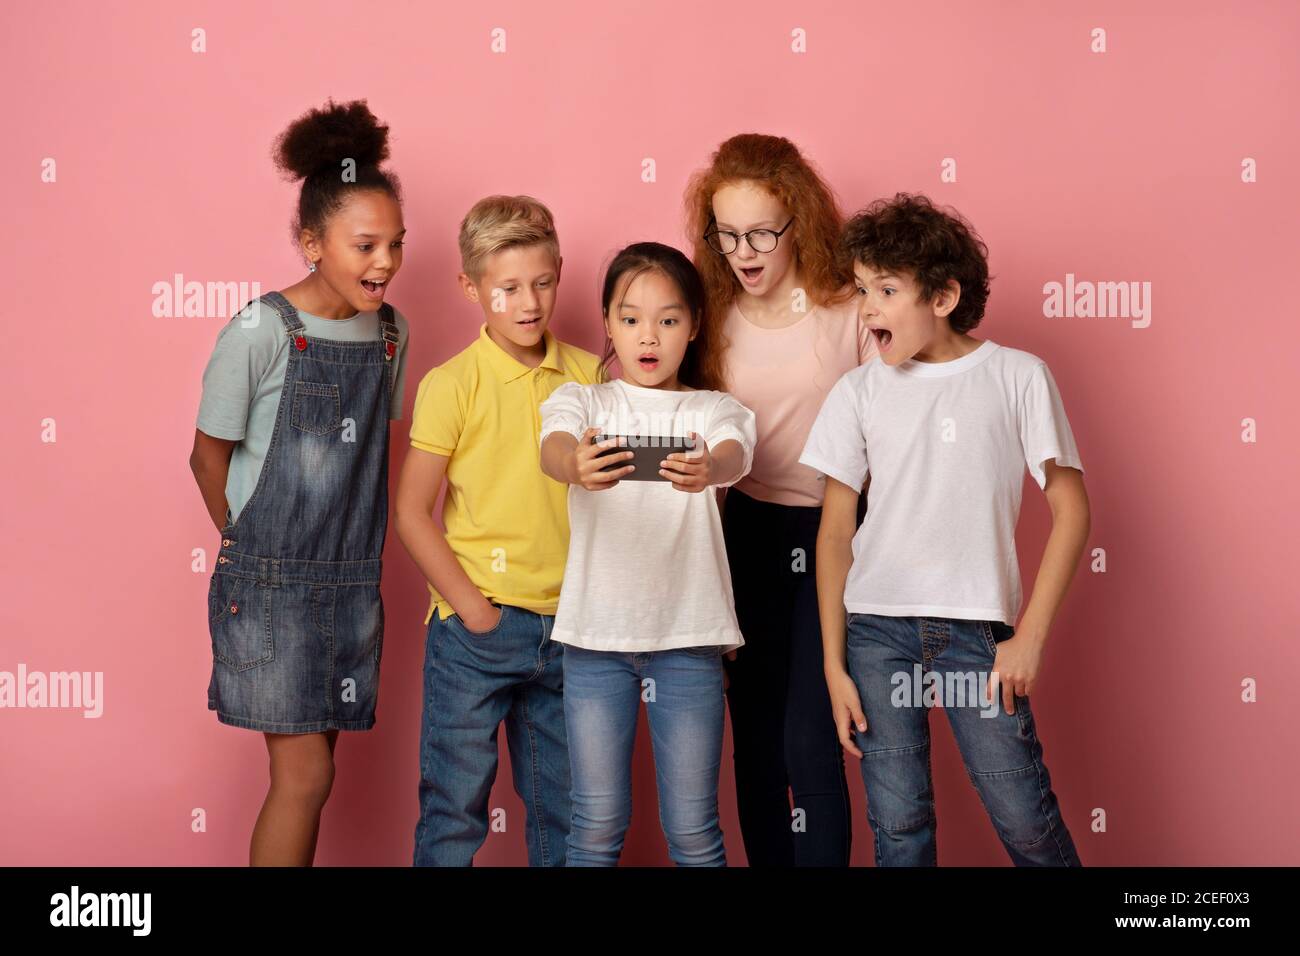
x: 1044, y: 795
x: 891, y: 751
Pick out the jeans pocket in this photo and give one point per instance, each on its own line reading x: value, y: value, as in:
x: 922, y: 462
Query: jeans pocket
x: 214, y: 599
x: 704, y: 650
x: 241, y: 627
x: 856, y: 628
x: 225, y: 595
x: 460, y: 625
x: 994, y: 632
x: 317, y: 408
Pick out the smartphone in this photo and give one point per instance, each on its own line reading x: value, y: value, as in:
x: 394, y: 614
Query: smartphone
x: 647, y: 452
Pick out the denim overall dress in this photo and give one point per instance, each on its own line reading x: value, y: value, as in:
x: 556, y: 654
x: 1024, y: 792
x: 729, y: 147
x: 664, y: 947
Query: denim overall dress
x: 294, y: 609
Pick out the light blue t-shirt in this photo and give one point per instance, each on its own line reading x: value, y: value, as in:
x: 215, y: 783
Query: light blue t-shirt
x: 245, y: 376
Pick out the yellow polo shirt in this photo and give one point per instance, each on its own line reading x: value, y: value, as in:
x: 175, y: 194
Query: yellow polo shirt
x: 506, y: 521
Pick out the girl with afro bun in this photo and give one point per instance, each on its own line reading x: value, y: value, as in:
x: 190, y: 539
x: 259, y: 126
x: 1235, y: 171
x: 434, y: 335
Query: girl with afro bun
x: 291, y: 456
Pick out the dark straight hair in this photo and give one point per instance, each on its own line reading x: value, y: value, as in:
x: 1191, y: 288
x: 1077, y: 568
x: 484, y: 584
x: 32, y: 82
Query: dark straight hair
x: 642, y: 257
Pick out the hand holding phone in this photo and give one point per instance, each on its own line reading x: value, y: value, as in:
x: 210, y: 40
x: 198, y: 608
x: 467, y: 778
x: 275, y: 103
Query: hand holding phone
x: 689, y: 470
x: 647, y: 454
x: 592, y: 462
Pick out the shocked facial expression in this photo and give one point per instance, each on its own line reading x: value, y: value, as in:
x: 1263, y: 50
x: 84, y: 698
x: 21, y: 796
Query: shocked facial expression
x: 650, y: 326
x: 361, y: 249
x: 902, y: 325
x: 741, y: 207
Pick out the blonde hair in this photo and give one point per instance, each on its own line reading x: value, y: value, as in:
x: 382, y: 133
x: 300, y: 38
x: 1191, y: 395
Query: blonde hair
x: 502, y: 222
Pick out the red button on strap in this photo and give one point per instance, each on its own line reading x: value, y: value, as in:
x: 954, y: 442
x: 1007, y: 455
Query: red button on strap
x: 234, y: 608
x: 301, y: 342
x: 390, y: 348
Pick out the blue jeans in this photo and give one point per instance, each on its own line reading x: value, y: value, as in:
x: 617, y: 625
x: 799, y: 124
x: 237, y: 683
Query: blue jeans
x: 472, y: 682
x: 603, y: 691
x: 890, y: 659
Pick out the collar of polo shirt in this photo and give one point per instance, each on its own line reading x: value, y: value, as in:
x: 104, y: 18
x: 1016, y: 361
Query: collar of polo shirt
x: 509, y: 368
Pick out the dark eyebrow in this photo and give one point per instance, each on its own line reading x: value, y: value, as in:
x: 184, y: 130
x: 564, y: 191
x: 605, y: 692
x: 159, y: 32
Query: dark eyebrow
x: 371, y: 235
x: 667, y: 308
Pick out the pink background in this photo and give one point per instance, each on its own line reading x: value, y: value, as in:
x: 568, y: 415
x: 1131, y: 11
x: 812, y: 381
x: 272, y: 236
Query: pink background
x: 1118, y: 166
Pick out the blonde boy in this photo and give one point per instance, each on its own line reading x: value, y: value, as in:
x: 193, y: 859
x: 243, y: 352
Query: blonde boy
x: 494, y: 573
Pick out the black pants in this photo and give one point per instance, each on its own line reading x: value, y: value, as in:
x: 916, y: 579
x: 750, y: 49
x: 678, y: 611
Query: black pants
x: 781, y: 725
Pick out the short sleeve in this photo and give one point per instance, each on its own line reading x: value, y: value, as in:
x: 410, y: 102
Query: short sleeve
x: 566, y: 410
x: 398, y: 400
x: 244, y: 351
x: 439, y: 415
x: 1044, y: 430
x: 836, y: 445
x: 732, y: 421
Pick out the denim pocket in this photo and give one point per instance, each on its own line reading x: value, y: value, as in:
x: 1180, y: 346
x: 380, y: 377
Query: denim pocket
x: 991, y: 631
x: 317, y: 408
x: 856, y: 628
x: 322, y: 599
x: 460, y: 625
x: 241, y: 628
x: 214, y: 607
x: 224, y: 592
x: 704, y: 650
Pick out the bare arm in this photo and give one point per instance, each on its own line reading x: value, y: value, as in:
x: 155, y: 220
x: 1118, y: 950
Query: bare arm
x: 728, y: 459
x: 210, y: 463
x: 417, y: 491
x: 1020, y: 658
x: 1071, y: 523
x: 693, y: 471
x: 834, y: 558
x: 574, y: 462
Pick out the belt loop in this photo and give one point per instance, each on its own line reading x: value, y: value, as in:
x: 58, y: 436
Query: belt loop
x: 275, y: 572
x: 262, y: 576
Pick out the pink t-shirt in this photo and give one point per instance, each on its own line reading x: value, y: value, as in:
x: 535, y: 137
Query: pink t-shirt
x: 783, y: 376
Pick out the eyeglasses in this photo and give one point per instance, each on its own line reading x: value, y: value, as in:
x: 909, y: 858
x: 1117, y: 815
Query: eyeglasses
x: 725, y: 242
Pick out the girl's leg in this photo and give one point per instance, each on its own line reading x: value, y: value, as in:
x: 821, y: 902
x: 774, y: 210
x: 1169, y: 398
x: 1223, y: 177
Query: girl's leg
x: 686, y: 716
x: 813, y: 756
x: 760, y: 579
x: 602, y: 694
x: 302, y: 773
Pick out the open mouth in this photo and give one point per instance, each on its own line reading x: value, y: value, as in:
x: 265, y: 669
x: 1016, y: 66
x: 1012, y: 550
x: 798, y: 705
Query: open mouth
x: 883, y: 337
x: 374, y: 287
x: 751, y: 275
x: 648, y: 362
x: 530, y: 323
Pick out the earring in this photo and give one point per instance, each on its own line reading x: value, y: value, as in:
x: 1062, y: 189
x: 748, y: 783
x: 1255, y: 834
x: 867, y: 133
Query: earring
x: 311, y: 266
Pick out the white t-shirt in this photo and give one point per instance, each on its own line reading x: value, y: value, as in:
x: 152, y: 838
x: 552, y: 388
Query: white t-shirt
x: 946, y: 444
x: 647, y: 565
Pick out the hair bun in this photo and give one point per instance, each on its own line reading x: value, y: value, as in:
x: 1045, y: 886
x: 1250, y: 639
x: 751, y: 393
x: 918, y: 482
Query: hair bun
x: 321, y: 139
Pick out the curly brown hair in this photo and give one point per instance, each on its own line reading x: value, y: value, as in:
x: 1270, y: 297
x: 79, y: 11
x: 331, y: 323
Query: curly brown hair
x: 910, y: 234
x: 776, y: 164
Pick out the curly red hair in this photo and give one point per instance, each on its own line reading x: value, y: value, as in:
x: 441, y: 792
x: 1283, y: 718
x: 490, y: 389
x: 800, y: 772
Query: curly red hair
x: 777, y: 165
